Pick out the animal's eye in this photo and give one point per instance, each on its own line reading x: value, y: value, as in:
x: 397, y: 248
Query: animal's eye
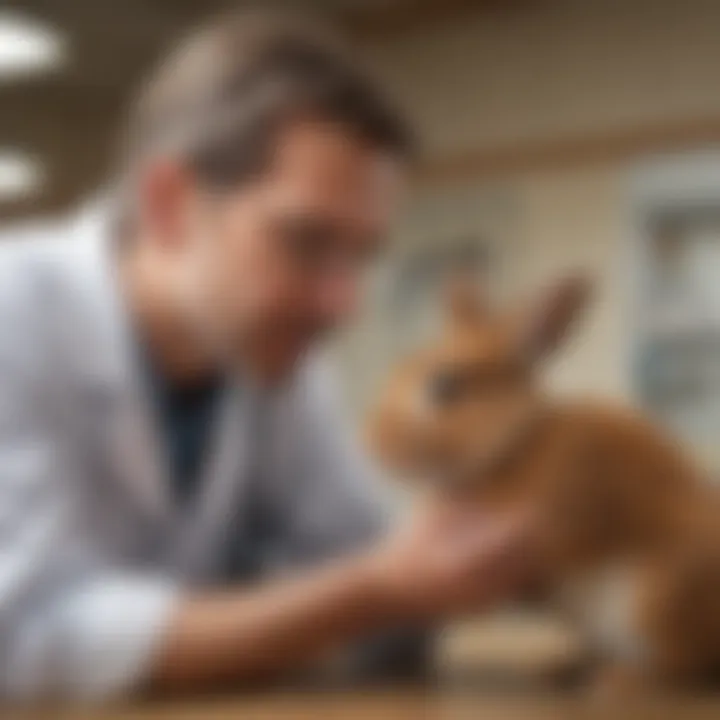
x: 445, y: 387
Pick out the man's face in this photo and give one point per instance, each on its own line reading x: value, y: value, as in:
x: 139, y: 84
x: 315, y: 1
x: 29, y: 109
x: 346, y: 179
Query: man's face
x: 274, y: 265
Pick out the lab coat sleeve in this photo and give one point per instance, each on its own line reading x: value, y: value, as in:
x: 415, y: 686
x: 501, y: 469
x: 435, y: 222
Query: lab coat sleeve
x: 69, y: 626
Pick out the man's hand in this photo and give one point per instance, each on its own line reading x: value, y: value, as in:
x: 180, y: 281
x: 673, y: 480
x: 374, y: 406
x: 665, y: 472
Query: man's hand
x: 451, y: 559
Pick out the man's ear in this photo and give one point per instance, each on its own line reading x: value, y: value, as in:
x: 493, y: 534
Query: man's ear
x: 545, y: 325
x: 464, y: 299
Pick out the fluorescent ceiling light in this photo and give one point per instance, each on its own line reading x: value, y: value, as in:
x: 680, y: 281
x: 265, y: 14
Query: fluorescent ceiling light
x: 21, y: 176
x: 27, y: 47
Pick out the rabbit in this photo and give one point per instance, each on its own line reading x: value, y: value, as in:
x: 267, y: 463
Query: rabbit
x: 628, y: 545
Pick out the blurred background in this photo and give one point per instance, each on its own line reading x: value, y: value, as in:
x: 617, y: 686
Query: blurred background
x: 558, y: 134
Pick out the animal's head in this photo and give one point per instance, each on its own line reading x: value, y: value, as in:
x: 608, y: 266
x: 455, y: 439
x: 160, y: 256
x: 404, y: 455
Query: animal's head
x: 453, y: 408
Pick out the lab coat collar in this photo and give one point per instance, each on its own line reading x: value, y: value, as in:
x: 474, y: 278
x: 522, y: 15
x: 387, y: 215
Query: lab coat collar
x: 105, y: 363
x: 109, y: 371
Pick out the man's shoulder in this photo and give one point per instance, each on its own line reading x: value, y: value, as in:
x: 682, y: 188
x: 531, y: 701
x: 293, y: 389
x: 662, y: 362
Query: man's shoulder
x: 316, y: 382
x: 308, y: 401
x: 39, y: 264
x: 27, y: 253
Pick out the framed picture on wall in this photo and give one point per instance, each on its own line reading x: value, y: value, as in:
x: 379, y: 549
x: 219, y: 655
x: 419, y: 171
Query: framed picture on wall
x: 676, y: 368
x: 461, y: 227
x: 419, y: 276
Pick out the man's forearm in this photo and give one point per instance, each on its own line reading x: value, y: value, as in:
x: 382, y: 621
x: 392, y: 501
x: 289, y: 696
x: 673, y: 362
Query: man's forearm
x: 434, y: 568
x: 249, y: 635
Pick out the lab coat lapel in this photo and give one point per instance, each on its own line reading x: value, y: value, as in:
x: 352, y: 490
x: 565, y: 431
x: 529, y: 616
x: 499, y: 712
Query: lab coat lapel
x: 224, y: 480
x: 128, y: 432
x: 120, y: 420
x: 134, y: 449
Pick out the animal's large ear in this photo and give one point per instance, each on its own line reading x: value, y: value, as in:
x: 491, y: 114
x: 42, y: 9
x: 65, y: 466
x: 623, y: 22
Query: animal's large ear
x: 544, y: 326
x: 465, y: 300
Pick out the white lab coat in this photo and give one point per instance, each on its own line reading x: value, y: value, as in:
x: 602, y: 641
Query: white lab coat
x: 93, y: 552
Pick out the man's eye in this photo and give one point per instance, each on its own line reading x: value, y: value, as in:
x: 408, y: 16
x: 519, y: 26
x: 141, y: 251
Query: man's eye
x: 445, y: 387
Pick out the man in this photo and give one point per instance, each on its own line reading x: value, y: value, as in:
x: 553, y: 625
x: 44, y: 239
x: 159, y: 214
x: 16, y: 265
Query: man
x: 168, y: 445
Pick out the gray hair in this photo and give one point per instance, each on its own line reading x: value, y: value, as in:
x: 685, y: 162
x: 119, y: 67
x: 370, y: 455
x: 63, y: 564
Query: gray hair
x: 219, y: 98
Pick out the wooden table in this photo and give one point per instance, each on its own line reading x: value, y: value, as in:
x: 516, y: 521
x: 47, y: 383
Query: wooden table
x: 474, y: 651
x: 392, y: 705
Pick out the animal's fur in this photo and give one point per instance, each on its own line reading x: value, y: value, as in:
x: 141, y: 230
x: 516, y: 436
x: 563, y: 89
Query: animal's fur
x: 630, y: 539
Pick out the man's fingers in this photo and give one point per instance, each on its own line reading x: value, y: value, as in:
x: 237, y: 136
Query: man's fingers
x: 509, y: 534
x: 508, y: 562
x: 497, y: 550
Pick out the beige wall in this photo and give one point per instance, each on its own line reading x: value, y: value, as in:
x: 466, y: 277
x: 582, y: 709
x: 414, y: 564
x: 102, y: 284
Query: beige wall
x: 559, y: 70
x: 557, y: 67
x: 578, y: 220
x: 560, y: 222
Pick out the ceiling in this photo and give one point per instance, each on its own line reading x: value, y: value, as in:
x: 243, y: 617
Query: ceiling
x: 68, y: 118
